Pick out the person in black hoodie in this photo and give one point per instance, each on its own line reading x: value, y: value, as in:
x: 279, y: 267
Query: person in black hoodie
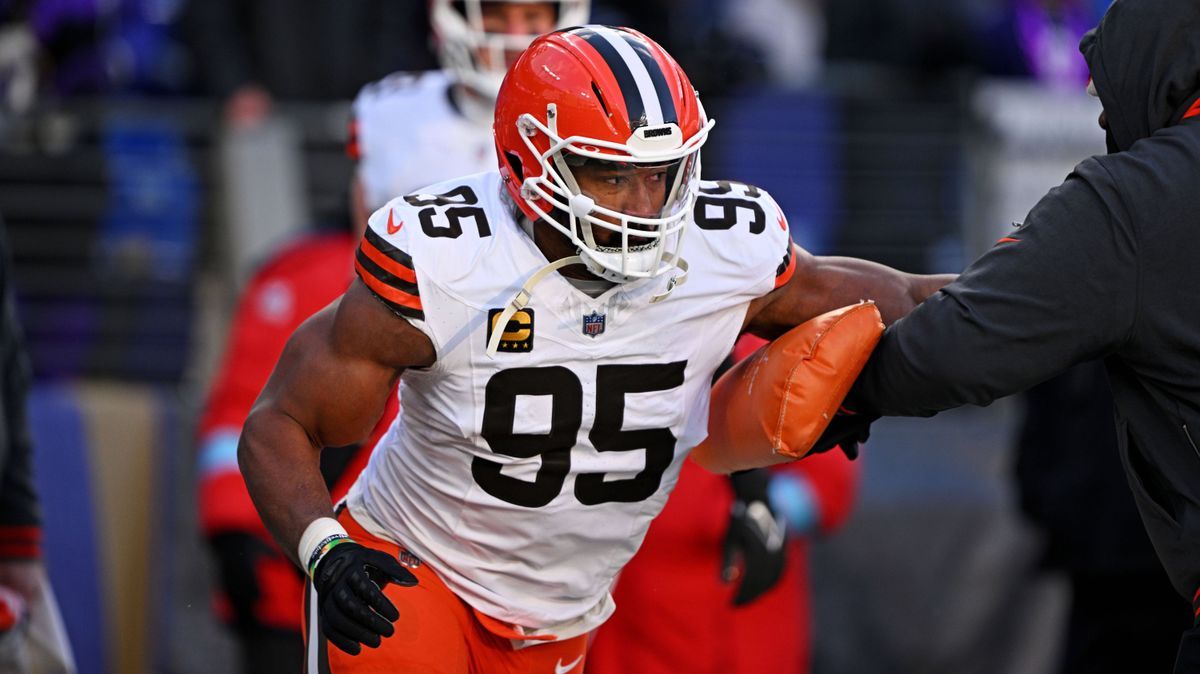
x: 1124, y: 616
x: 1106, y: 265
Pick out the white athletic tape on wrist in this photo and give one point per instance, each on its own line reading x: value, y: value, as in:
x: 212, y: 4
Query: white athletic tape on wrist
x: 319, y: 532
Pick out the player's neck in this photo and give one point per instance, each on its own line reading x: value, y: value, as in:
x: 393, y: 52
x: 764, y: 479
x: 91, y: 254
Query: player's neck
x: 555, y: 246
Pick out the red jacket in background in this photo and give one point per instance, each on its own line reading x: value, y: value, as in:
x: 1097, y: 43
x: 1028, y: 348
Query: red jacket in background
x: 302, y: 279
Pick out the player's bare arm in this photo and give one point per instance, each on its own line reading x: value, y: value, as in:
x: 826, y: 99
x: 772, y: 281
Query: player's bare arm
x: 821, y: 284
x: 816, y: 287
x: 328, y: 389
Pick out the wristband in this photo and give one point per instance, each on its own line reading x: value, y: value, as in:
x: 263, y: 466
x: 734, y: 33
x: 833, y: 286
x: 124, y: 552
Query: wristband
x: 322, y: 550
x: 319, y: 538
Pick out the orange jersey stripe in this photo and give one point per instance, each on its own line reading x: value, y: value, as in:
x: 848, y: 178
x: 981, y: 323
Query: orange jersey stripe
x: 386, y: 263
x: 353, y: 150
x: 1193, y: 111
x: 387, y: 292
x: 786, y: 276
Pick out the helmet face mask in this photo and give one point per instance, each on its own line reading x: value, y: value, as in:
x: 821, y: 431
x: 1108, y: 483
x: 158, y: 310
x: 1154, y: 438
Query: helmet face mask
x: 656, y: 190
x: 648, y: 244
x: 479, y: 58
x: 582, y: 118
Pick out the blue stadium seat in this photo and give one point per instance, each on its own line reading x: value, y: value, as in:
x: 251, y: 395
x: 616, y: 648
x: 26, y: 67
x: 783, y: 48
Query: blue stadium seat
x: 788, y: 143
x: 64, y: 482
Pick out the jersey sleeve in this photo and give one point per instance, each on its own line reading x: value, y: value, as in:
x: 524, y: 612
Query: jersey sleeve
x: 775, y: 243
x: 748, y: 232
x: 384, y: 264
x: 375, y: 106
x: 353, y: 147
x: 360, y: 109
x: 787, y: 265
x: 379, y: 110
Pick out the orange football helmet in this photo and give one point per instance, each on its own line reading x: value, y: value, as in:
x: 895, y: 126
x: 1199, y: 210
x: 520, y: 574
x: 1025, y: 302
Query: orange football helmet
x: 597, y: 93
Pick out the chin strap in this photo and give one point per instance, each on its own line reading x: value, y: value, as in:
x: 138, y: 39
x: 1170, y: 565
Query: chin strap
x: 521, y: 300
x: 675, y: 281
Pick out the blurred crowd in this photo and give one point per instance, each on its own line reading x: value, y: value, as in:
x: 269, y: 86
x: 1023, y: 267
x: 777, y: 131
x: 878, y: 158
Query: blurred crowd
x: 323, y: 50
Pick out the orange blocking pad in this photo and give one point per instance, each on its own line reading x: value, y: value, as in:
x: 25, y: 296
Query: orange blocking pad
x: 771, y: 407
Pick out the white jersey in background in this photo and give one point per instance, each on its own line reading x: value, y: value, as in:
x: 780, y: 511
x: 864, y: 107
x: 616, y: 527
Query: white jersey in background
x: 528, y: 481
x: 408, y: 133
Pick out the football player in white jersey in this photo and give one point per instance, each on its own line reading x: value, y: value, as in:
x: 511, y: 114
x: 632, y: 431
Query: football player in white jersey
x: 412, y: 129
x: 554, y: 328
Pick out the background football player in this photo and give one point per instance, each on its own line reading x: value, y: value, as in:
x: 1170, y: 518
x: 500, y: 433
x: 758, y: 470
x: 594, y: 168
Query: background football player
x: 408, y: 130
x: 413, y: 129
x: 554, y: 328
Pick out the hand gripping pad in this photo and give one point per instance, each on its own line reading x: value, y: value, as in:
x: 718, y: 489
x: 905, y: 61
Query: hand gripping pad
x: 771, y: 407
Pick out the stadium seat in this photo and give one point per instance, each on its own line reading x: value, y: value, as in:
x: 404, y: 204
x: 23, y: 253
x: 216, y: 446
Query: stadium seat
x: 61, y: 467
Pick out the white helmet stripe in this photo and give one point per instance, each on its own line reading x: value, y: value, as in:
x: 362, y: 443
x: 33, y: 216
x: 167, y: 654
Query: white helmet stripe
x: 645, y: 85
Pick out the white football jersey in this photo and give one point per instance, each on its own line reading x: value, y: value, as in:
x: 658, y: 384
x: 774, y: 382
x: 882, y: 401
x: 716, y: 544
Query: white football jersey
x: 529, y: 480
x: 407, y: 133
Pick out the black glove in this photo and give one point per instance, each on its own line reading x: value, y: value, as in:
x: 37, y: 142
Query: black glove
x: 754, y: 545
x: 352, y: 607
x: 847, y: 431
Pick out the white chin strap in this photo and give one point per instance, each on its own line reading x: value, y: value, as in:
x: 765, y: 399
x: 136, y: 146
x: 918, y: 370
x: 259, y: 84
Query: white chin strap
x: 525, y: 294
x: 675, y: 281
x: 581, y: 206
x: 521, y: 300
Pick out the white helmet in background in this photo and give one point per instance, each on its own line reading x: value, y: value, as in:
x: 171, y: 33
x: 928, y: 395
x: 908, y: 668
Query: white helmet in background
x: 479, y: 59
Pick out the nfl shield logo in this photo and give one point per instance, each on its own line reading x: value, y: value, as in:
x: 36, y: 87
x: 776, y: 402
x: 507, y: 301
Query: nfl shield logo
x: 593, y: 324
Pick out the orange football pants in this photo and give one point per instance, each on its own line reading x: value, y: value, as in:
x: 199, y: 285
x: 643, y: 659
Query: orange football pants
x: 437, y: 633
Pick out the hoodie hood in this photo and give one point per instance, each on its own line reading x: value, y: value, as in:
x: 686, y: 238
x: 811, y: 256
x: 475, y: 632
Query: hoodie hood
x: 1145, y: 61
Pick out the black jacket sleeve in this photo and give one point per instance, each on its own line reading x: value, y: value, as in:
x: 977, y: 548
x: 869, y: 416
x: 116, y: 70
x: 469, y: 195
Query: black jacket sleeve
x: 1059, y: 290
x: 19, y: 513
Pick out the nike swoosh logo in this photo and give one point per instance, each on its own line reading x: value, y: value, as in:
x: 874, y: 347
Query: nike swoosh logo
x: 560, y: 668
x: 392, y: 229
x: 1007, y: 239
